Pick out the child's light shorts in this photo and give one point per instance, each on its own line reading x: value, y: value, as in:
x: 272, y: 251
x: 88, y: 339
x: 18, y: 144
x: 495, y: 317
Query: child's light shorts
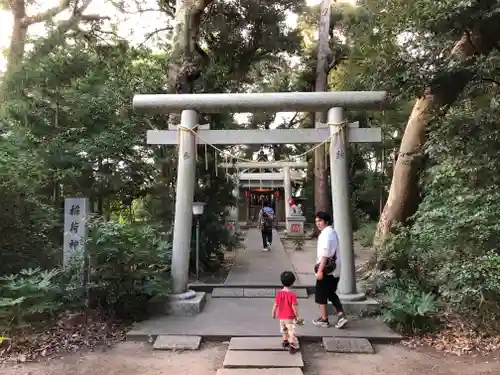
x: 287, y: 326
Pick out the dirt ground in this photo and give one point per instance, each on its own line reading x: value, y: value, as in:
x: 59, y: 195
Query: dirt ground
x: 132, y: 358
x: 396, y: 360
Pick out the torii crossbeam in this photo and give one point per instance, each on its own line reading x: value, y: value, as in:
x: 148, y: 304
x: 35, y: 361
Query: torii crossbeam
x: 190, y: 104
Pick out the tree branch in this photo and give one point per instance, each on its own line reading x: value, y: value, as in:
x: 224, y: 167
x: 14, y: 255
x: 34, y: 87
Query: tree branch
x: 153, y: 33
x: 54, y: 38
x: 292, y: 121
x: 48, y: 14
x: 140, y: 11
x: 92, y: 17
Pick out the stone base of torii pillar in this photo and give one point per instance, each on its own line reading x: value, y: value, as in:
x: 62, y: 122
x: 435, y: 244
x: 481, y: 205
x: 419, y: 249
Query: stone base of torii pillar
x: 183, y: 304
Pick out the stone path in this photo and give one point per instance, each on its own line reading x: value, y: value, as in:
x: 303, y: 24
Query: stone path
x: 252, y: 292
x: 252, y: 266
x: 240, y: 310
x: 260, y: 354
x: 242, y: 317
x: 302, y: 260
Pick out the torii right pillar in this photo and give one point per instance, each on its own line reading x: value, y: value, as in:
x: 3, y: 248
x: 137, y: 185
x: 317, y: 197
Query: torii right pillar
x: 339, y: 177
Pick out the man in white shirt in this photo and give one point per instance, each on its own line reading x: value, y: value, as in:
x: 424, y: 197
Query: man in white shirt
x: 328, y: 257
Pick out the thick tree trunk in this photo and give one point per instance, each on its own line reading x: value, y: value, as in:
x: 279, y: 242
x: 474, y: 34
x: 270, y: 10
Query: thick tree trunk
x: 186, y: 63
x: 187, y: 60
x: 403, y: 198
x: 18, y: 39
x: 320, y: 170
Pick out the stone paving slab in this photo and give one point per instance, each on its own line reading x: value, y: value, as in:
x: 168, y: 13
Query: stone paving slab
x: 259, y: 293
x: 177, y: 342
x: 227, y: 293
x: 253, y: 266
x: 260, y: 371
x: 252, y: 293
x: 262, y: 359
x: 257, y: 343
x: 347, y: 345
x: 244, y: 317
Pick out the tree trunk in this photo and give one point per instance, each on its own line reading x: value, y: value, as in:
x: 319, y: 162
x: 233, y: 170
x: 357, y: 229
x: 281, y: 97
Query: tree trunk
x: 18, y: 39
x: 403, y: 198
x: 186, y: 63
x: 320, y: 170
x: 187, y: 60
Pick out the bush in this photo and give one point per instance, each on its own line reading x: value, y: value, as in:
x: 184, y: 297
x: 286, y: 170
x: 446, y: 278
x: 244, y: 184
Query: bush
x: 365, y: 233
x: 129, y: 264
x: 30, y: 232
x: 30, y: 294
x: 410, y: 310
x: 214, y: 238
x: 472, y: 287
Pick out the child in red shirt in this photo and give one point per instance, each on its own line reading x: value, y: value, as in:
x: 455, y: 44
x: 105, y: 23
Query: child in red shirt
x: 286, y: 308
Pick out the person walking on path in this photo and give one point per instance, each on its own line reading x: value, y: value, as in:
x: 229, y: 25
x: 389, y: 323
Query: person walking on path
x: 265, y: 224
x: 286, y: 308
x: 327, y: 270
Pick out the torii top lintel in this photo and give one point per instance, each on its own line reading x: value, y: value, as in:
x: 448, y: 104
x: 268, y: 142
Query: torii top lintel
x: 248, y: 102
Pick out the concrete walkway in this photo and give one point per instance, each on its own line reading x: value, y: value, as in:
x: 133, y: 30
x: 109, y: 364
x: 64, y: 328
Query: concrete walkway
x: 245, y: 317
x: 252, y: 266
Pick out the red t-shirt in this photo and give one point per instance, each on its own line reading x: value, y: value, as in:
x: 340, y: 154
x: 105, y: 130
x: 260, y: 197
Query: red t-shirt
x: 285, y: 300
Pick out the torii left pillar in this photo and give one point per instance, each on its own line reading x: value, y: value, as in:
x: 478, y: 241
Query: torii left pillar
x: 184, y: 196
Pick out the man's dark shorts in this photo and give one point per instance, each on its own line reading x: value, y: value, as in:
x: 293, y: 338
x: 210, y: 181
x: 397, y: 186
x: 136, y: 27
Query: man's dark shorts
x: 325, y: 289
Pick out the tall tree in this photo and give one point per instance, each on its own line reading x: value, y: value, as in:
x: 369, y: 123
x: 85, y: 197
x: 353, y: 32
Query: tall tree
x: 22, y: 21
x: 320, y: 171
x: 478, y: 26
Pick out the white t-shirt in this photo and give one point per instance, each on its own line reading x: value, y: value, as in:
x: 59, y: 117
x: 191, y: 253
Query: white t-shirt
x: 328, y: 245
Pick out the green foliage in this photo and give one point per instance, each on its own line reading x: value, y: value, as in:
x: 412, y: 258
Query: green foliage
x: 410, y: 311
x: 27, y: 223
x: 365, y: 233
x: 451, y: 250
x: 29, y: 294
x: 298, y: 244
x: 129, y: 264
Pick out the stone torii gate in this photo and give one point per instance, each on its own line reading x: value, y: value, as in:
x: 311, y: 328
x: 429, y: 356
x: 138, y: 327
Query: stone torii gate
x: 284, y: 176
x: 190, y: 104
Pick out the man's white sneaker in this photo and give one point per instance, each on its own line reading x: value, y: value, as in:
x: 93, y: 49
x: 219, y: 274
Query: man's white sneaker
x: 320, y: 322
x: 341, y: 322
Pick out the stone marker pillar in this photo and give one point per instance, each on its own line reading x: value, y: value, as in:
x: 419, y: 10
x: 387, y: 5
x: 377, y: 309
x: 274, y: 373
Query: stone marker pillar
x: 295, y: 225
x: 339, y: 175
x: 186, y: 173
x: 76, y: 215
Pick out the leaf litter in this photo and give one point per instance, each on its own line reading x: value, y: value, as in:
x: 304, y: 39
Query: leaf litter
x: 69, y: 333
x: 457, y: 338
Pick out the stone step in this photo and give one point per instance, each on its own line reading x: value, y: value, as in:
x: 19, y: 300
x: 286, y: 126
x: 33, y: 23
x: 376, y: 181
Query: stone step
x: 177, y: 342
x: 260, y: 371
x: 262, y: 359
x: 252, y: 293
x: 347, y: 345
x: 257, y: 343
